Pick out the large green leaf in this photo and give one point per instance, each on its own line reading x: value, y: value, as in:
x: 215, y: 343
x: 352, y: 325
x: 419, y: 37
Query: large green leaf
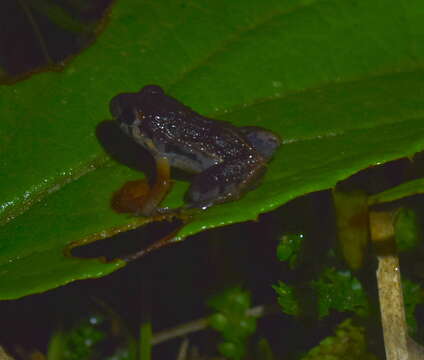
x: 401, y: 191
x: 341, y: 81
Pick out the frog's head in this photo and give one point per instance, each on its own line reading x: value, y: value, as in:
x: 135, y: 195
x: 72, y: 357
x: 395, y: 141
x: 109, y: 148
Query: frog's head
x: 129, y: 109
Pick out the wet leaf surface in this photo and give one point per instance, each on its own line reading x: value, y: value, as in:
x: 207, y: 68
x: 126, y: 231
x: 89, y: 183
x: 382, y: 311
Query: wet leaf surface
x: 342, y: 82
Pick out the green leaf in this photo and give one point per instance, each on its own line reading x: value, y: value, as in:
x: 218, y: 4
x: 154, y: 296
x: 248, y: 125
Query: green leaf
x: 341, y: 291
x: 408, y: 233
x: 82, y: 340
x: 413, y: 295
x: 263, y: 350
x: 231, y: 349
x: 287, y: 298
x: 334, y: 290
x: 232, y: 321
x: 233, y: 302
x: 401, y: 191
x: 289, y: 247
x: 341, y: 81
x: 348, y: 343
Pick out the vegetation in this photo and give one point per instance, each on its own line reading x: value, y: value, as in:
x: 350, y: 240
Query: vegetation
x: 298, y: 267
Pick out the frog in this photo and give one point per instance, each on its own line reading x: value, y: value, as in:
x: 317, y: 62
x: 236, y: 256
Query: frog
x: 226, y: 161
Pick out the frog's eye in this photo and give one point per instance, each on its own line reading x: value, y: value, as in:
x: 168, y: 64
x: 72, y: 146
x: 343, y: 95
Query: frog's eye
x: 152, y: 89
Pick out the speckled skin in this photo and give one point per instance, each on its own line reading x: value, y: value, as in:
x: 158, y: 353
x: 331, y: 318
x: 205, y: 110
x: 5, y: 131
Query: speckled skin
x: 227, y: 159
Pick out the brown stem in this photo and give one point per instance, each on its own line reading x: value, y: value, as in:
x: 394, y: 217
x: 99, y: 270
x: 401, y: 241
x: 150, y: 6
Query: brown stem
x: 397, y: 343
x: 202, y: 323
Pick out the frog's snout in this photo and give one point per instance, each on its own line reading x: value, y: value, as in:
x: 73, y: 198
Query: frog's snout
x: 122, y: 110
x: 116, y: 108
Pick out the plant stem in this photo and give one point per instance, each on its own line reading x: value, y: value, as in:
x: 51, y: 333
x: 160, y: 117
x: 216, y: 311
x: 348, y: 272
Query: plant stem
x: 145, y: 334
x: 202, y: 323
x: 393, y: 319
x: 145, y: 340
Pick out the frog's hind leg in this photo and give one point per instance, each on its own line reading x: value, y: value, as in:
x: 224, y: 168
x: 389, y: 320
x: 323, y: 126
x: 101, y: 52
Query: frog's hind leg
x: 224, y: 182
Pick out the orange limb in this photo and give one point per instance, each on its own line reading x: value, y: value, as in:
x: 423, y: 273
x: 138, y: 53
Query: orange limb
x: 159, y: 189
x: 137, y: 197
x: 130, y: 197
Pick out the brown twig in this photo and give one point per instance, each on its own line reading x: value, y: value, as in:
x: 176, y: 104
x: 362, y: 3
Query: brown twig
x: 397, y: 343
x: 202, y: 323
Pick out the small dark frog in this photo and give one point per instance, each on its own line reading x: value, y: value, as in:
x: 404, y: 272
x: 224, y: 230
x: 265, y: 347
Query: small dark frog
x: 228, y: 160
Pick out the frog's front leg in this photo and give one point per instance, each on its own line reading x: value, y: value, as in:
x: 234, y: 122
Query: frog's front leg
x: 160, y: 188
x: 224, y: 182
x: 149, y: 203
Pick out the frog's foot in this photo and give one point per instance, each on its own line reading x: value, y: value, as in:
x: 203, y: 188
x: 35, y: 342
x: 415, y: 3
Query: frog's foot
x: 130, y: 197
x: 139, y: 198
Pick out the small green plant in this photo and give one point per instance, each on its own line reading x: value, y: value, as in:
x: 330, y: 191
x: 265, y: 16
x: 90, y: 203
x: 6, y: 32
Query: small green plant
x: 95, y: 336
x: 232, y: 321
x: 348, y: 343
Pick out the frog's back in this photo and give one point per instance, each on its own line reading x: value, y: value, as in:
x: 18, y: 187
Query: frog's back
x: 202, y: 142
